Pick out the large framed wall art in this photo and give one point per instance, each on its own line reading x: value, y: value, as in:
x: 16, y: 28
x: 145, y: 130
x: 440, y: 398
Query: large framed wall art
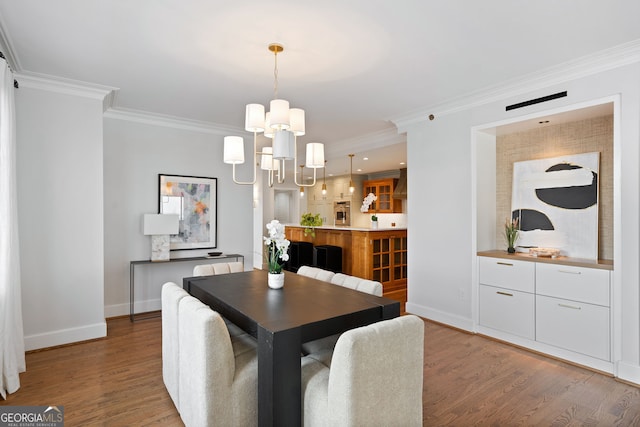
x: 556, y: 203
x: 194, y: 199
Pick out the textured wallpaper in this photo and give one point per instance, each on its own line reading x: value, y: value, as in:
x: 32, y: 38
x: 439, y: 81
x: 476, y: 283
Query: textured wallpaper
x: 552, y: 141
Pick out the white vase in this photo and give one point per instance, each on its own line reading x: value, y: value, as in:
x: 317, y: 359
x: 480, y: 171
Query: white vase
x: 276, y: 280
x: 374, y: 224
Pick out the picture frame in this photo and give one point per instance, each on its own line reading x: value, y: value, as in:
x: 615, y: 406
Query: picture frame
x: 195, y: 200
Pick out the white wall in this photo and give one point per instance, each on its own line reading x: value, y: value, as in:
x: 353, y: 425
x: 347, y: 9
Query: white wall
x: 134, y: 154
x: 60, y: 209
x: 442, y: 245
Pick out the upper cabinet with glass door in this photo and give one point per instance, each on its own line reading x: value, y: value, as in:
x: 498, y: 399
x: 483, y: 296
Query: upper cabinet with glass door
x: 383, y: 189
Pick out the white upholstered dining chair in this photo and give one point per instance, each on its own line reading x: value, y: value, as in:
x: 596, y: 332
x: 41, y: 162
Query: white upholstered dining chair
x: 362, y: 285
x: 218, y: 384
x: 374, y: 377
x: 171, y: 295
x: 221, y: 268
x: 218, y: 268
x: 316, y: 273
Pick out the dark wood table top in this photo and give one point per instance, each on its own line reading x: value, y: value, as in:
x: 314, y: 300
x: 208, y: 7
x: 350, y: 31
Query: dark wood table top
x: 303, y: 302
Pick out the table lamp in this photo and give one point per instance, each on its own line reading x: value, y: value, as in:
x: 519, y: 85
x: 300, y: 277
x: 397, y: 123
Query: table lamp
x: 159, y: 227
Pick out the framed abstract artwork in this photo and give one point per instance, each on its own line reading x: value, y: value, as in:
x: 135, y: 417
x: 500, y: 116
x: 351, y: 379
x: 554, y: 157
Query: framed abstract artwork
x: 556, y: 203
x: 194, y: 199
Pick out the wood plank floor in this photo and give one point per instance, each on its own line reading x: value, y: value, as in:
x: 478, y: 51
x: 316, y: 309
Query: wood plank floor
x: 469, y: 380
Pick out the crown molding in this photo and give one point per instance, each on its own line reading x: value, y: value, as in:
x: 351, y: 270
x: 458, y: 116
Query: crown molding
x: 6, y: 46
x: 366, y: 142
x: 608, y: 59
x: 64, y: 86
x: 155, y: 119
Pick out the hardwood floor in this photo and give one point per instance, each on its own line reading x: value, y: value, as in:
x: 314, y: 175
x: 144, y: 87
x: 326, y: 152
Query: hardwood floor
x: 469, y: 380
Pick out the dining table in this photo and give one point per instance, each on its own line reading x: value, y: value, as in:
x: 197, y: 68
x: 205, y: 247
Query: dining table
x: 281, y: 320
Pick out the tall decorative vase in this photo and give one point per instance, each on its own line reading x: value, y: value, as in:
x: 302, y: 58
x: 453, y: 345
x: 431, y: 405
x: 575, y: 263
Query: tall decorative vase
x: 374, y: 225
x: 276, y: 280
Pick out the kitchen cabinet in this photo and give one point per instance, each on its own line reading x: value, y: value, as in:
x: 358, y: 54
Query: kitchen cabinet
x: 557, y: 306
x: 383, y: 189
x: 382, y: 256
x: 379, y: 255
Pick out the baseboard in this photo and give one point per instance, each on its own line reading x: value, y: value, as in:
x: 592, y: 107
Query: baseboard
x: 440, y: 316
x: 65, y: 336
x: 116, y: 310
x: 630, y: 373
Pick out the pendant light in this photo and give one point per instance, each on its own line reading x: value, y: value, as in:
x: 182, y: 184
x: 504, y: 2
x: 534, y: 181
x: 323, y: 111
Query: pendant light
x: 324, y: 181
x: 352, y: 188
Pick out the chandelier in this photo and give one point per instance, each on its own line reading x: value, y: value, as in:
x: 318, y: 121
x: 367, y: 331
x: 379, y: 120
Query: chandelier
x: 283, y: 125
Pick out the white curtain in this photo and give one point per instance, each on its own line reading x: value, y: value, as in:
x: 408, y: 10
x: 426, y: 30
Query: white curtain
x: 11, y: 334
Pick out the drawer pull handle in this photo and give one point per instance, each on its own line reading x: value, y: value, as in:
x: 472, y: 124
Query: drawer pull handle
x: 504, y: 293
x: 569, y: 272
x: 570, y: 306
x: 504, y: 263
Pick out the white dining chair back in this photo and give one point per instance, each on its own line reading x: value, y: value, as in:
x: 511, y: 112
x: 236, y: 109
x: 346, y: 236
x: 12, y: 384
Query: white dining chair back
x: 358, y: 283
x: 374, y: 378
x: 218, y: 384
x: 316, y: 273
x: 171, y: 294
x: 218, y: 268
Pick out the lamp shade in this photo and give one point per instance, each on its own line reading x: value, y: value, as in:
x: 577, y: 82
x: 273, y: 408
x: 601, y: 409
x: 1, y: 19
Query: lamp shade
x: 283, y: 145
x: 233, y: 150
x: 268, y: 130
x: 266, y: 160
x: 296, y: 121
x: 254, y: 118
x: 315, y: 155
x: 157, y: 224
x: 279, y: 109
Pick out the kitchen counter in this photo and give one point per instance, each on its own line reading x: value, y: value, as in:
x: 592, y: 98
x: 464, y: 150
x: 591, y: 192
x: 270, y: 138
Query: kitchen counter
x: 341, y: 228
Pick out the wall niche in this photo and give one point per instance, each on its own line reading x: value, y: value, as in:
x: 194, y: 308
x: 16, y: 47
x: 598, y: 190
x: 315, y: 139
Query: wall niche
x: 591, y: 134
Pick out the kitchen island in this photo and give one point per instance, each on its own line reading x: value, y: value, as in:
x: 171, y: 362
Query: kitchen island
x: 374, y: 254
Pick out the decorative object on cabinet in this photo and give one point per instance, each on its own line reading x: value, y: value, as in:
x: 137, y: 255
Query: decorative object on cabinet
x: 383, y: 190
x: 283, y: 125
x: 194, y: 200
x: 366, y: 203
x: 511, y: 234
x: 561, y: 199
x: 309, y: 221
x: 278, y: 249
x: 160, y: 227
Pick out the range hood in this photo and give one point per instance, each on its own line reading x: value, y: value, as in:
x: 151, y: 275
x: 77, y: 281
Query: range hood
x: 400, y: 192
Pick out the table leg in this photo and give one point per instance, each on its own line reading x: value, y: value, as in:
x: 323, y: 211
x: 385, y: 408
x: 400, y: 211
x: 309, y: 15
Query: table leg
x: 131, y: 292
x: 279, y: 378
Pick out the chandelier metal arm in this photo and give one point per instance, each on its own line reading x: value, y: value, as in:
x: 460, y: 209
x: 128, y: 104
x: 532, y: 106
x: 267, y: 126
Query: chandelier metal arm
x: 255, y: 177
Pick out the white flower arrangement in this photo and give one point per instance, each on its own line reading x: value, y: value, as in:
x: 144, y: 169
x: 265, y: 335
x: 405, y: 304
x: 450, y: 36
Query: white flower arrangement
x: 367, y: 202
x: 278, y: 246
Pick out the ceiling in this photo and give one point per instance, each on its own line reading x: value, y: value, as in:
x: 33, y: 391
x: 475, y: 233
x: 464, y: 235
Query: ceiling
x: 353, y: 66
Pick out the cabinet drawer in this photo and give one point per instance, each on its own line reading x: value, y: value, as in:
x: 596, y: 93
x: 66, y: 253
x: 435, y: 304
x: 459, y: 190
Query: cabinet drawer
x: 507, y: 310
x: 506, y: 273
x: 575, y: 326
x: 588, y: 285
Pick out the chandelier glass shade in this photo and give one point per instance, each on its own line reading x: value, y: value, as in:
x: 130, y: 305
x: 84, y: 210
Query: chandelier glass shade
x: 283, y: 125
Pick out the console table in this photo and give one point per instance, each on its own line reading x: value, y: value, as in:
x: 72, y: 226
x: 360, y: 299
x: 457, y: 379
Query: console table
x: 132, y: 265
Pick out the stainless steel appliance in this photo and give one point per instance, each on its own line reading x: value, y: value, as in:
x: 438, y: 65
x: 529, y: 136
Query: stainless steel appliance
x: 342, y: 214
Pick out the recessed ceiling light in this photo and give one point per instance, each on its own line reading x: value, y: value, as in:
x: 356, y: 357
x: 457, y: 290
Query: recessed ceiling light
x: 403, y: 163
x: 359, y: 170
x: 365, y: 158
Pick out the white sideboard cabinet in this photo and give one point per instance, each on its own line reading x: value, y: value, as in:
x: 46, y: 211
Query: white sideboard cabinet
x: 557, y: 306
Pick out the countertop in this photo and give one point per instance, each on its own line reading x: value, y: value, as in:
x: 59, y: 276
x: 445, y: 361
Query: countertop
x: 333, y: 227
